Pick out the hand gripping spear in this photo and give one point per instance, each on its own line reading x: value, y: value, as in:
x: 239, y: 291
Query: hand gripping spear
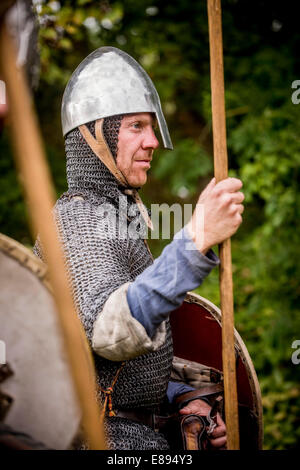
x: 32, y: 164
x: 221, y: 172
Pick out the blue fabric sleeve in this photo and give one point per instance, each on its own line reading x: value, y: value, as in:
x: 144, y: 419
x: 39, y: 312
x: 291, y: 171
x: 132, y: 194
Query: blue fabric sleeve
x: 176, y: 388
x: 162, y: 287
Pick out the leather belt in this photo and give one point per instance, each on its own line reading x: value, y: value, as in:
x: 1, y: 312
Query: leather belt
x: 155, y: 421
x: 145, y: 416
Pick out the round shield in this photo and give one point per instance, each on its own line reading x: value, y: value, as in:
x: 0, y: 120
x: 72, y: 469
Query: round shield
x: 197, y: 337
x: 37, y: 395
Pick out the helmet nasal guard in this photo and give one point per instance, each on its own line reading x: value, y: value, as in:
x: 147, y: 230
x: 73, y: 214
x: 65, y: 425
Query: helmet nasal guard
x: 110, y: 82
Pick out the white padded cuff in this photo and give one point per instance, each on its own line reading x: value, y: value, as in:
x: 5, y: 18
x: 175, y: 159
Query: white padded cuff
x: 117, y: 335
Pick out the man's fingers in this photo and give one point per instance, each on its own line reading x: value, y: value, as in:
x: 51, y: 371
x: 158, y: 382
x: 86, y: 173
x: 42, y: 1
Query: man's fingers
x: 238, y: 197
x: 208, y: 188
x: 219, y: 431
x: 186, y: 411
x: 211, y: 184
x: 240, y: 208
x: 218, y: 438
x: 229, y: 184
x: 219, y: 442
x: 236, y: 209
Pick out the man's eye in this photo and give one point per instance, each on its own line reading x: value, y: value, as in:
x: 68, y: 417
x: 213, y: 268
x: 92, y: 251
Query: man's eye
x: 136, y: 125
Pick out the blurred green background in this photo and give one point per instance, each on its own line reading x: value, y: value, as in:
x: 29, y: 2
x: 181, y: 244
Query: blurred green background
x: 261, y: 59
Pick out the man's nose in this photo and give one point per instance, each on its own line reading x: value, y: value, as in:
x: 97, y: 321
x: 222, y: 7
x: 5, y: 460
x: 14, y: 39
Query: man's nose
x: 150, y: 140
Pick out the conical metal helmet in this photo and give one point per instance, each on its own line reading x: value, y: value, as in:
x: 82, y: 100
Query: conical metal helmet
x: 109, y: 82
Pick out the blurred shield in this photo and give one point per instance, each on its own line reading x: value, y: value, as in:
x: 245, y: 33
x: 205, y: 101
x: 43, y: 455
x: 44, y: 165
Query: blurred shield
x: 37, y: 396
x: 197, y: 337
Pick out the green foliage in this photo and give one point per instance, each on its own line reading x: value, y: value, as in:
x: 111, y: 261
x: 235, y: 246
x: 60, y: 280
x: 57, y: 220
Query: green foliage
x: 13, y: 211
x: 261, y: 61
x: 185, y: 158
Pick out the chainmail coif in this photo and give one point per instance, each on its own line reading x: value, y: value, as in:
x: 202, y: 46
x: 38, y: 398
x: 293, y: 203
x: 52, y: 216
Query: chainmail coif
x: 97, y: 266
x: 111, y: 127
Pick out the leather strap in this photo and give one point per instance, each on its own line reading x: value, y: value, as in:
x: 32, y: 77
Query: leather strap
x: 185, y: 398
x: 102, y: 151
x: 193, y: 429
x: 140, y: 204
x: 142, y: 416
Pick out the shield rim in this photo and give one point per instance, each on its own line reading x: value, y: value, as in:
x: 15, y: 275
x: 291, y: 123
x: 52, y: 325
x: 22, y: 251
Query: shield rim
x: 242, y: 351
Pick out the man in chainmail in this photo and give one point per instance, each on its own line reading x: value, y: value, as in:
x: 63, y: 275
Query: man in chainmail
x: 123, y: 298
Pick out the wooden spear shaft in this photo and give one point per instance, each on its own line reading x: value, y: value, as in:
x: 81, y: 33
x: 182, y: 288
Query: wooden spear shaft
x: 221, y: 172
x: 31, y: 161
